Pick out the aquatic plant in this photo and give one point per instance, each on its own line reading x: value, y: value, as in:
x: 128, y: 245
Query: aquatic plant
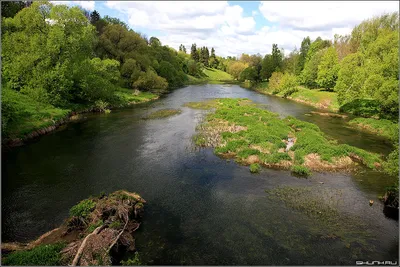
x: 255, y: 167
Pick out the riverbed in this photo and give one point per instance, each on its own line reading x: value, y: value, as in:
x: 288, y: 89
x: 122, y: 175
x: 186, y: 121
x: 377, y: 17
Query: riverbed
x: 201, y: 209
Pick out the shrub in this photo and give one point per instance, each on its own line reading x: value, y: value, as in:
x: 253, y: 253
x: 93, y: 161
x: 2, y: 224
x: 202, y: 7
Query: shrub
x: 48, y: 255
x: 255, y: 167
x: 275, y: 82
x: 133, y: 261
x: 83, y: 208
x: 300, y: 170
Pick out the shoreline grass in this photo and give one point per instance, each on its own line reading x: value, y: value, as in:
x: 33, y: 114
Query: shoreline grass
x: 30, y: 115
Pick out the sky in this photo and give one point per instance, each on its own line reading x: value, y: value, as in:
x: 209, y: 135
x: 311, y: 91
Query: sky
x: 236, y: 27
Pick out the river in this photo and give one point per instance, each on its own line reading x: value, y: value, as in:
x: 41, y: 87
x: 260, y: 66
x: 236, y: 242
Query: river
x: 201, y: 209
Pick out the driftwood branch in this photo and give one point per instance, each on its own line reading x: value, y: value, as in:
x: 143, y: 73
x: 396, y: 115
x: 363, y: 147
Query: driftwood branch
x: 119, y: 235
x: 83, y: 245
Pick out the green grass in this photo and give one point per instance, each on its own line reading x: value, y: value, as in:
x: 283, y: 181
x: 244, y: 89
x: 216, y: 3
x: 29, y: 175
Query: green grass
x: 83, y: 208
x: 261, y: 134
x: 382, y: 127
x: 212, y: 76
x: 163, y: 113
x: 255, y: 167
x: 315, y: 97
x: 43, y: 255
x: 300, y: 170
x: 22, y: 115
x: 217, y: 76
x: 127, y: 96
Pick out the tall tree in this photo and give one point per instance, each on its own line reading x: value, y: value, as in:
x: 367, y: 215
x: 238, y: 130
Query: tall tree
x: 207, y: 56
x: 94, y: 17
x: 277, y: 57
x: 193, y: 53
x: 328, y: 69
x: 212, y: 52
x: 305, y: 45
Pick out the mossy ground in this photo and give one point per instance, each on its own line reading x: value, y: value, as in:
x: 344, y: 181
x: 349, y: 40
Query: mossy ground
x: 239, y: 129
x: 163, y: 113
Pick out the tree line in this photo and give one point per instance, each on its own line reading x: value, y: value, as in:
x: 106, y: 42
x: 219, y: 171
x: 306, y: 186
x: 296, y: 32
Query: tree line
x: 362, y: 67
x: 66, y: 56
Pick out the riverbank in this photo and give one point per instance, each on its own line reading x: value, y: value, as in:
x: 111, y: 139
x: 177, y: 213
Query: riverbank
x: 318, y: 98
x: 99, y: 231
x: 33, y: 119
x: 238, y: 129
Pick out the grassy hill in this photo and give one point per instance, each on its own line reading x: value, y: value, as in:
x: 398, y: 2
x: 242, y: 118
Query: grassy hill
x: 212, y: 76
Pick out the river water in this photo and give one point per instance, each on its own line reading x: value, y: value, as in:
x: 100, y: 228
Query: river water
x: 200, y: 209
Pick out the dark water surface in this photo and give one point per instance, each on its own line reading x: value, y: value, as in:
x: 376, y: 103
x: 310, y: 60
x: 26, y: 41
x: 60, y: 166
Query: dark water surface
x: 200, y: 209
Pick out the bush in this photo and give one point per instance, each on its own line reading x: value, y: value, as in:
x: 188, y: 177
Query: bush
x: 275, y: 82
x: 255, y: 167
x: 150, y: 81
x: 48, y: 255
x: 83, y: 208
x: 300, y: 170
x: 133, y: 261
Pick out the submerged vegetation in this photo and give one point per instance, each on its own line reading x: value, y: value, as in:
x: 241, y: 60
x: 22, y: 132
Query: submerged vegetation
x: 324, y: 206
x: 163, y: 113
x: 239, y: 129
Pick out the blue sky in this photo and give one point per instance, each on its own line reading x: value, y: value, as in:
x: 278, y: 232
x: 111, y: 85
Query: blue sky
x: 235, y: 27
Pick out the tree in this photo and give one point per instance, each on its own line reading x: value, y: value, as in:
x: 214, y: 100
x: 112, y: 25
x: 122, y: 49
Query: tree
x: 305, y: 46
x: 47, y: 61
x: 277, y: 57
x: 328, y: 69
x: 291, y: 62
x: 115, y: 21
x: 309, y: 74
x: 207, y: 56
x: 194, y: 54
x: 94, y: 17
x: 150, y: 81
x: 154, y: 41
x: 182, y: 48
x: 235, y: 68
x: 9, y: 9
x: 212, y: 52
x: 250, y: 74
x: 267, y: 67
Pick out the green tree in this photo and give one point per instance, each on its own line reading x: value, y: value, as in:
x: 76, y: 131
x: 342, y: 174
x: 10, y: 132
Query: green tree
x: 277, y: 58
x: 154, y: 41
x: 194, y: 54
x: 328, y: 69
x: 309, y: 74
x: 305, y: 46
x: 150, y: 81
x: 267, y: 67
x: 94, y: 17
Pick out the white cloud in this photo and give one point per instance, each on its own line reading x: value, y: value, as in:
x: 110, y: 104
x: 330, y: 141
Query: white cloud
x: 323, y: 14
x: 89, y: 5
x: 225, y: 27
